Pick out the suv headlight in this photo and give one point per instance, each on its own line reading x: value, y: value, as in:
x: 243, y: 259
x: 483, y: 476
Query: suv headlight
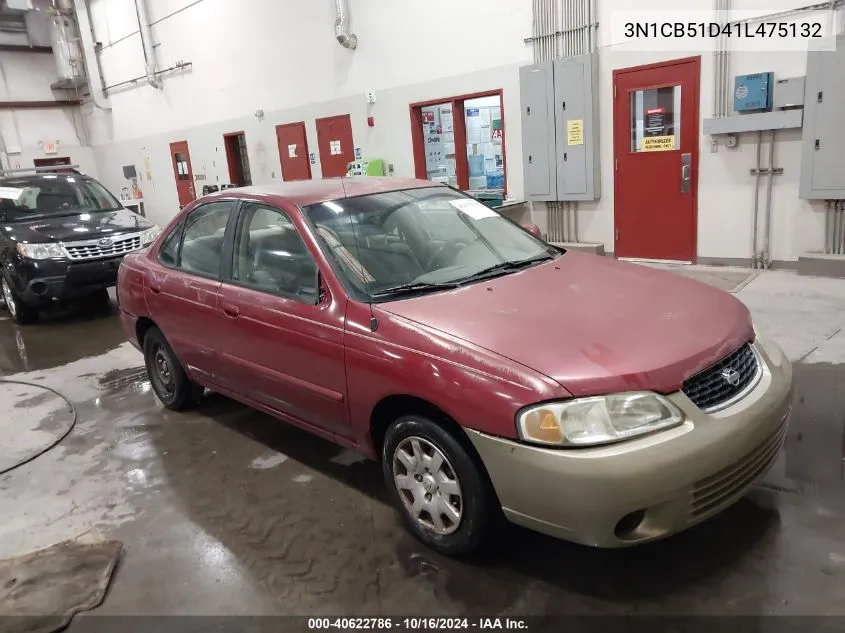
x: 149, y: 235
x: 597, y: 420
x: 41, y: 251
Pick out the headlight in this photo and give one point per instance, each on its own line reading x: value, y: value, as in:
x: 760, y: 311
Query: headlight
x: 597, y: 420
x: 149, y: 235
x: 41, y: 251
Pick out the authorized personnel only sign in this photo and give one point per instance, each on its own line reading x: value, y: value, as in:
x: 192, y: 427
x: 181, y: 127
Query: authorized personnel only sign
x: 658, y: 143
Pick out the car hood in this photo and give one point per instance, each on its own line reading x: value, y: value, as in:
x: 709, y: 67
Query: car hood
x: 79, y: 226
x: 593, y: 324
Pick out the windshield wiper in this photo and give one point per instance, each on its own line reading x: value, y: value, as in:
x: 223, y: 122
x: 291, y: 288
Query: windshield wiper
x: 507, y: 266
x: 414, y: 286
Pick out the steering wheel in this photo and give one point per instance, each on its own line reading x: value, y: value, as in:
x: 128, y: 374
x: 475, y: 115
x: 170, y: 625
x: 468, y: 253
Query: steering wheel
x: 446, y: 250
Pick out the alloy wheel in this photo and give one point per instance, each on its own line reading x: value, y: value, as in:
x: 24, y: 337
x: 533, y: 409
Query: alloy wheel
x: 9, y: 299
x: 428, y: 485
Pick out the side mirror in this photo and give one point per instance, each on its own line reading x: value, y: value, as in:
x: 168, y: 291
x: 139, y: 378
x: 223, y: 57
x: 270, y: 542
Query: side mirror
x: 533, y: 229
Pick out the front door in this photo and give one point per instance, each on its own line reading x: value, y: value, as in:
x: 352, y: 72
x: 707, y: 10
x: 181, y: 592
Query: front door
x: 184, y: 288
x: 334, y: 140
x: 293, y: 151
x: 182, y: 171
x: 283, y: 347
x: 655, y: 143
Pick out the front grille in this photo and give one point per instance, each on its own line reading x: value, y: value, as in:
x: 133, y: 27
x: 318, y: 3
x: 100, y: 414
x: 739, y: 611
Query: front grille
x: 94, y: 249
x: 712, y: 492
x: 719, y: 383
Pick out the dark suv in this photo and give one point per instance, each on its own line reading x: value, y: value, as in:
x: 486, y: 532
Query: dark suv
x: 62, y: 238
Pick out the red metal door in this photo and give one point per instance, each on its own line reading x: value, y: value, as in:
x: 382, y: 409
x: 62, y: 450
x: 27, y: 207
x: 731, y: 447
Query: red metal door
x: 334, y: 140
x: 182, y: 171
x: 655, y: 143
x: 293, y: 151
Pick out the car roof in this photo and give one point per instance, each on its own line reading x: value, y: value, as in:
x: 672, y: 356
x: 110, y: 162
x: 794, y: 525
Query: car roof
x: 31, y: 179
x: 306, y: 192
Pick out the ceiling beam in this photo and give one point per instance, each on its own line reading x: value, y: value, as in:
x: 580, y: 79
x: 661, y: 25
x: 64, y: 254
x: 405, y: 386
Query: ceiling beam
x: 33, y: 105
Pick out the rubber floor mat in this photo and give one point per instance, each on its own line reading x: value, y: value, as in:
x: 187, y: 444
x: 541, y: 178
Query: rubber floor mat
x: 41, y: 591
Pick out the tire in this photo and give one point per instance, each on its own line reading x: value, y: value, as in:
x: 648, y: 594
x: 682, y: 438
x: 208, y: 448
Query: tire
x: 21, y: 313
x: 167, y: 377
x: 467, y: 490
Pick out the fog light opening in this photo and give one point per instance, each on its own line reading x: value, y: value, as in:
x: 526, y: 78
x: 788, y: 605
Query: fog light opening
x: 38, y: 287
x: 628, y: 525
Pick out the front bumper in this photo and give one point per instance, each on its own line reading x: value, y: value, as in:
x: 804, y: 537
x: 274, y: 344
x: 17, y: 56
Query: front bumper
x: 44, y: 282
x: 649, y: 488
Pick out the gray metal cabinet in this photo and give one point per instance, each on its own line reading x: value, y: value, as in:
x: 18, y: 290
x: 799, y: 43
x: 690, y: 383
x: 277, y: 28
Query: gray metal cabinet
x: 822, y: 165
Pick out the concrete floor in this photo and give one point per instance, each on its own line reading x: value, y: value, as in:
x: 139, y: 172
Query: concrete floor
x: 226, y: 511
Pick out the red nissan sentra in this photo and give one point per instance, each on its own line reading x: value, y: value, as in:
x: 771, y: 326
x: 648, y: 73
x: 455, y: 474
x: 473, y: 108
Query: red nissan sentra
x: 490, y: 373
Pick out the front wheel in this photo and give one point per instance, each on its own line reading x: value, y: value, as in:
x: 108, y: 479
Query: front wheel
x: 444, y: 498
x: 167, y: 377
x: 18, y: 310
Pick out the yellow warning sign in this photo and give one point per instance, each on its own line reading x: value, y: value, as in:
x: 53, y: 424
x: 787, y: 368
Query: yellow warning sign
x: 658, y: 144
x: 575, y: 132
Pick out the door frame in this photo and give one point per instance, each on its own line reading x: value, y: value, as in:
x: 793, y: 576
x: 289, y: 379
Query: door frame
x: 231, y: 159
x: 461, y: 163
x: 695, y: 60
x: 295, y: 124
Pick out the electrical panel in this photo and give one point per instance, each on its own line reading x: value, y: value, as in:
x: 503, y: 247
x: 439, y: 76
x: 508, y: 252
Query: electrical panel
x: 753, y: 92
x: 789, y: 93
x: 822, y: 175
x: 560, y: 129
x: 536, y: 84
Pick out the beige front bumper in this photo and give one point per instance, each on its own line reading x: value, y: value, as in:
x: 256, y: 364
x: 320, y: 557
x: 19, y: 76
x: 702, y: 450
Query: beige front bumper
x: 671, y: 479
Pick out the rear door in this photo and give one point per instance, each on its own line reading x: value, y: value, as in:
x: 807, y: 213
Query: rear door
x: 183, y: 289
x: 283, y: 342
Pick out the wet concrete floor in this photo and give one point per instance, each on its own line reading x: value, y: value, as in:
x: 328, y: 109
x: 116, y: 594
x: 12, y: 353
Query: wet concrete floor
x: 227, y: 511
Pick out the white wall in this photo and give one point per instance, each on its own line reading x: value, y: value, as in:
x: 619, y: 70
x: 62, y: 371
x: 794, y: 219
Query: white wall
x: 27, y: 77
x: 280, y: 56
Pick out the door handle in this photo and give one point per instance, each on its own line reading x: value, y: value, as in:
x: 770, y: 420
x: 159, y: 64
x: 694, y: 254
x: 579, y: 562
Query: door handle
x: 231, y: 311
x: 155, y: 288
x: 686, y: 172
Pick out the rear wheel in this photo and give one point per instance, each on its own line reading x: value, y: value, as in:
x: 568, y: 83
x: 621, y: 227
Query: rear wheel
x: 444, y: 498
x: 167, y: 377
x: 20, y: 312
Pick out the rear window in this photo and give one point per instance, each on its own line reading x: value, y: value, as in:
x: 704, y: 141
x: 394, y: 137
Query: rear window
x: 28, y: 197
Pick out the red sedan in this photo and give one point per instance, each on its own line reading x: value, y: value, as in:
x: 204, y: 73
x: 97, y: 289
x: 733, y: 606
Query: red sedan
x: 490, y: 373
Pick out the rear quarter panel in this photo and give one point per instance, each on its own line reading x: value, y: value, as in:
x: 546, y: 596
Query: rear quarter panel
x: 475, y: 387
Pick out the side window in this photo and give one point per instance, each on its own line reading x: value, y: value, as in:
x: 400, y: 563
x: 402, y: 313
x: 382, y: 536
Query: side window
x: 202, y: 242
x: 169, y: 252
x: 271, y: 256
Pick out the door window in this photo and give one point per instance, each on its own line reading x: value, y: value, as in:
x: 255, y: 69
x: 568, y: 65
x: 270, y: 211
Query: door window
x: 270, y: 255
x: 168, y: 254
x: 182, y: 168
x: 656, y: 119
x: 202, y: 244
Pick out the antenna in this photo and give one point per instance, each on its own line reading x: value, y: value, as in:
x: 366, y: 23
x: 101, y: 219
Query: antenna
x: 373, y: 320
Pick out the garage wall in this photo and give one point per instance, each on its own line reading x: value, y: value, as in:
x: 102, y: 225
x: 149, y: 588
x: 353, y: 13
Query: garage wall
x: 280, y: 57
x: 27, y: 77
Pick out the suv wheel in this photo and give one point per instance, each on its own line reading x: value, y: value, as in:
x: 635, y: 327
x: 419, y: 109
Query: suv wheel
x: 20, y: 312
x: 167, y: 377
x: 444, y: 498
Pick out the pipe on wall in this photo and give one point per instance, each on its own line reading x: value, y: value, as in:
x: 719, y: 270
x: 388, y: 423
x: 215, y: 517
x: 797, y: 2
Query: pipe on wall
x: 89, y: 55
x: 38, y: 105
x: 755, y: 222
x: 341, y: 26
x: 771, y: 174
x: 147, y: 44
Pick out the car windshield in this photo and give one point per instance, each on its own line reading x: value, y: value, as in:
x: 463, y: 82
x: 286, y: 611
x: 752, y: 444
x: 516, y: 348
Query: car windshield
x: 46, y: 195
x: 387, y: 245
